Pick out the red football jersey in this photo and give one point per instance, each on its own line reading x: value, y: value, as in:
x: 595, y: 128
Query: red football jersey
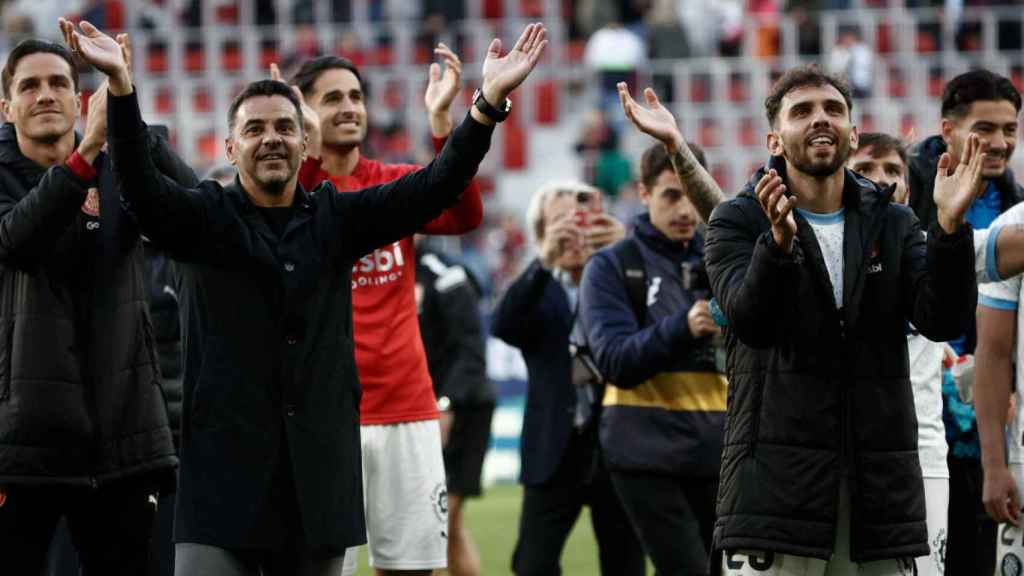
x: 389, y: 350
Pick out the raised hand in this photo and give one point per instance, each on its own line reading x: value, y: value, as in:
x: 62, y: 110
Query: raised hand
x: 655, y: 120
x: 561, y: 235
x: 310, y: 117
x: 502, y: 74
x: 957, y: 185
x: 602, y: 230
x: 100, y: 50
x: 95, y: 135
x: 442, y: 90
x: 771, y: 193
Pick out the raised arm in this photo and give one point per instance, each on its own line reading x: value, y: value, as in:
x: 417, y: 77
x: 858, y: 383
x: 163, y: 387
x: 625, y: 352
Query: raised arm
x: 172, y: 215
x: 939, y: 286
x: 387, y: 213
x: 659, y: 123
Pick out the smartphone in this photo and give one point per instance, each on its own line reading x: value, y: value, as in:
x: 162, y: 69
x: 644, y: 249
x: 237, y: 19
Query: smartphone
x: 778, y: 163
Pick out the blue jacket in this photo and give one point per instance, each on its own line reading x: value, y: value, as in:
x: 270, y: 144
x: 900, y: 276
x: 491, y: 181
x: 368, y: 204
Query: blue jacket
x: 664, y: 405
x: 535, y: 317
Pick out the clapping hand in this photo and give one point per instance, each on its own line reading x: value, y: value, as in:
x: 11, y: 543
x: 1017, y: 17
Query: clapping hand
x: 958, y: 184
x: 502, y: 74
x: 101, y: 51
x: 771, y: 194
x: 310, y: 118
x: 655, y: 120
x: 442, y: 89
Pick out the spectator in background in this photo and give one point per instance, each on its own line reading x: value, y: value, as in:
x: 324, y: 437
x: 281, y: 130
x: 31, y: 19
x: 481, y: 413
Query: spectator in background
x: 987, y: 105
x: 853, y: 59
x: 448, y: 302
x: 562, y: 469
x: 604, y: 164
x: 667, y: 40
x: 613, y: 54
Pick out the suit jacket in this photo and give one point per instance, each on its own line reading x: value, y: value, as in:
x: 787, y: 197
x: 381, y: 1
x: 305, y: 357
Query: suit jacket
x: 535, y: 317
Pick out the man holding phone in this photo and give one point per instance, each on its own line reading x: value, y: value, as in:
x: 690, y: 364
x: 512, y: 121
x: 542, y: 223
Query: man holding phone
x: 562, y: 468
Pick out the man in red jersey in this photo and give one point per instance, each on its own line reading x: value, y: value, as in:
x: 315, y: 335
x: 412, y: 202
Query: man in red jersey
x: 403, y: 468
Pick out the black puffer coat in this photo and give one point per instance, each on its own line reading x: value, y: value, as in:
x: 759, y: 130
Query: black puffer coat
x: 80, y: 399
x: 816, y: 391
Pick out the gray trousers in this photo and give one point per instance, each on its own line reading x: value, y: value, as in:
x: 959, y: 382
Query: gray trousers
x: 203, y: 560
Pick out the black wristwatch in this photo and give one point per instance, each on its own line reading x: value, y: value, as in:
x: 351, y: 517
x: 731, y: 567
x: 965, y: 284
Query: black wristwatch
x: 491, y: 112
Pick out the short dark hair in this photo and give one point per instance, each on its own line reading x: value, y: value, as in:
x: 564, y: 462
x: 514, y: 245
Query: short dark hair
x: 656, y: 160
x: 264, y: 88
x: 802, y: 77
x: 970, y: 87
x: 311, y: 70
x: 882, y: 144
x: 35, y: 46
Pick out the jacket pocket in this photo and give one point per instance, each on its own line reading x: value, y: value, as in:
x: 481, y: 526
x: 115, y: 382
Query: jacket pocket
x: 6, y: 352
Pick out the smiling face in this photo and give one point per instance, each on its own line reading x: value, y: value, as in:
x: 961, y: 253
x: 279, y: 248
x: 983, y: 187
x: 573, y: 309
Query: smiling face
x: 267, y: 144
x: 995, y: 122
x: 337, y: 96
x: 671, y: 210
x: 43, y: 104
x: 814, y: 132
x: 885, y: 170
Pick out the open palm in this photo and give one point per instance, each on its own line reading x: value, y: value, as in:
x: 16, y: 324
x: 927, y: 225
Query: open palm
x: 442, y: 88
x: 655, y: 120
x: 501, y: 74
x: 954, y: 193
x: 95, y: 47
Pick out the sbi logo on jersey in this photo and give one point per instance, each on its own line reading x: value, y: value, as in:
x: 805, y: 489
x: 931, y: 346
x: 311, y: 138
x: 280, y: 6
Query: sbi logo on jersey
x: 384, y: 265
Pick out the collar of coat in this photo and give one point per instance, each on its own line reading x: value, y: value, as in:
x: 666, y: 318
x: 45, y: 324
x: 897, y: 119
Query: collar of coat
x: 646, y: 232
x: 10, y: 156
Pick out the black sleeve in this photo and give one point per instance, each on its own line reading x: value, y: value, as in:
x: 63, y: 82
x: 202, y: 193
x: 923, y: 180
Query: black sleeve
x: 517, y: 317
x: 458, y: 307
x: 939, y: 287
x: 173, y: 216
x: 31, y: 225
x: 383, y: 214
x: 169, y: 163
x: 751, y: 277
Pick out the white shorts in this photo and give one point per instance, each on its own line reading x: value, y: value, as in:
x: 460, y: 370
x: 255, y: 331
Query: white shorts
x: 753, y: 563
x: 936, y: 500
x: 1009, y: 544
x: 405, y: 496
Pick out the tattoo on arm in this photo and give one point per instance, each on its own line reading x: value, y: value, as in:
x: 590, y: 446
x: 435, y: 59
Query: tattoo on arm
x: 700, y: 186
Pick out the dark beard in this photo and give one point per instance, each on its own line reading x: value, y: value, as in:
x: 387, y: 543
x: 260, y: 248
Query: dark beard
x: 802, y: 162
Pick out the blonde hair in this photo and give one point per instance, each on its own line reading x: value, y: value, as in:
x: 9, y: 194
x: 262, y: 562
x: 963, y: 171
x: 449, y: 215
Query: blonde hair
x: 548, y: 191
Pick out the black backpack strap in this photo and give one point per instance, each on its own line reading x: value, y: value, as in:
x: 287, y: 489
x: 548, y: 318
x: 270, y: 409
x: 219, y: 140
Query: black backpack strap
x: 634, y: 275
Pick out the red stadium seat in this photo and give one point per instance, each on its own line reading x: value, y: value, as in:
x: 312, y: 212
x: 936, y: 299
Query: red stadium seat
x: 547, y: 102
x: 513, y: 145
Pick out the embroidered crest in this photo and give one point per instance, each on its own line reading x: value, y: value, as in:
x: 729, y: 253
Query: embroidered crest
x: 91, y: 206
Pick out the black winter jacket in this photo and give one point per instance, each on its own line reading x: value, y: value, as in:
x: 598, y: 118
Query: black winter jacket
x: 80, y: 400
x: 271, y: 408
x: 816, y: 391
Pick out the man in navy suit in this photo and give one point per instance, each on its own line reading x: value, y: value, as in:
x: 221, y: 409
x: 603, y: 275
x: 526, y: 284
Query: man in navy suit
x: 562, y: 468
